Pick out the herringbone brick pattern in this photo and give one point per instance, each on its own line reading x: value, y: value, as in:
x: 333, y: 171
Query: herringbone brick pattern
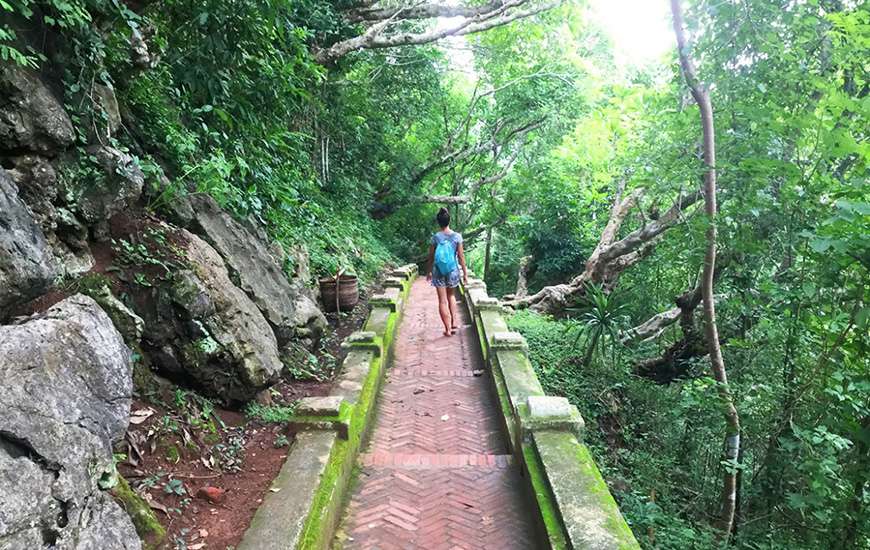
x: 436, y: 414
x: 450, y: 508
x: 436, y: 474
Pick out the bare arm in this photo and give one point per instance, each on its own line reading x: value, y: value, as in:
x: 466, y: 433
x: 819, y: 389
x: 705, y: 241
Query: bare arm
x: 460, y: 251
x: 429, y: 262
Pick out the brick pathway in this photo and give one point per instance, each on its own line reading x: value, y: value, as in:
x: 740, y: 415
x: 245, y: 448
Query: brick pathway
x: 436, y: 474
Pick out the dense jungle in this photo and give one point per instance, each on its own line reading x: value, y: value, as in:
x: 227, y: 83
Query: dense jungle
x: 682, y: 235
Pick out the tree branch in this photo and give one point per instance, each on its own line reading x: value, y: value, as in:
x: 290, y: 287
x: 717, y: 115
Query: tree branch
x: 424, y: 11
x: 440, y: 199
x: 479, y: 19
x: 610, y: 259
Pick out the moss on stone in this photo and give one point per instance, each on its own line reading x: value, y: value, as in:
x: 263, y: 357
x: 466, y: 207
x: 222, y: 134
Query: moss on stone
x: 580, y: 494
x: 90, y: 284
x: 519, y: 375
x: 329, y: 497
x: 378, y: 319
x: 334, y: 484
x: 544, y: 499
x: 146, y: 524
x: 588, y: 510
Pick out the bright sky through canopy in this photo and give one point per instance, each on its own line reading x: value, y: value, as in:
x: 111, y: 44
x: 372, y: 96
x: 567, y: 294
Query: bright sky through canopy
x: 639, y: 29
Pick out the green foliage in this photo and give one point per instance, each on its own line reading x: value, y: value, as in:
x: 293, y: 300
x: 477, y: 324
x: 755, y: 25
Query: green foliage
x: 270, y: 414
x: 332, y: 158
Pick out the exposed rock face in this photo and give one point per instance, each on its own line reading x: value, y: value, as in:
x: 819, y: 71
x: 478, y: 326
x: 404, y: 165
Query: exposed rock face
x: 107, y: 120
x: 204, y: 327
x: 66, y: 235
x: 257, y: 270
x: 31, y: 118
x: 36, y: 179
x: 100, y: 201
x: 67, y: 383
x: 26, y: 265
x: 130, y: 325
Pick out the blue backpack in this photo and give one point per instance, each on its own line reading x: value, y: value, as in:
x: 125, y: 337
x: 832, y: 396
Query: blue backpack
x: 445, y: 257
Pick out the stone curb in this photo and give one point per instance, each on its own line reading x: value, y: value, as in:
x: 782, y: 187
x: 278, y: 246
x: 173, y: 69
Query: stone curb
x: 575, y: 508
x: 303, y: 509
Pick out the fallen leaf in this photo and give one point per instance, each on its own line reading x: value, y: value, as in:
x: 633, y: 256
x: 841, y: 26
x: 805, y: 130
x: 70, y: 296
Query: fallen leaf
x: 140, y: 416
x: 274, y: 489
x: 203, y: 533
x: 154, y: 504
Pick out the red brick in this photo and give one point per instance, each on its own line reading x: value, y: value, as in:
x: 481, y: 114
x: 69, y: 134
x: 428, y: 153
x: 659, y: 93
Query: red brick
x: 427, y: 483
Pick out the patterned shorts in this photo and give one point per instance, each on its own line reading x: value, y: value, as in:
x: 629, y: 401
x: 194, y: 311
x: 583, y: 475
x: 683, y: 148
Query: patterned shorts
x: 445, y: 281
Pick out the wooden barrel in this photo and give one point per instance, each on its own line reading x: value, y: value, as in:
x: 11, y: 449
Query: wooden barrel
x: 347, y: 292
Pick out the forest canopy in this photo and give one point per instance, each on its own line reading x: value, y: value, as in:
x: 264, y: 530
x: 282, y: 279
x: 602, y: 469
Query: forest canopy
x: 581, y: 184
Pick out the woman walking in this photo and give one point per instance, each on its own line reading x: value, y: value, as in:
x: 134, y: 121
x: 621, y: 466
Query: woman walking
x: 445, y: 258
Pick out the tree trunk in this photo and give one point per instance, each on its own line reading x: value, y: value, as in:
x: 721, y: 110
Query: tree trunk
x: 486, y: 254
x: 611, y: 257
x: 523, y: 277
x: 732, y: 419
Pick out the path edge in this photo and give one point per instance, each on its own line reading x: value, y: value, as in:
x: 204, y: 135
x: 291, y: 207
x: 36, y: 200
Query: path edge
x: 303, y: 507
x: 574, y: 506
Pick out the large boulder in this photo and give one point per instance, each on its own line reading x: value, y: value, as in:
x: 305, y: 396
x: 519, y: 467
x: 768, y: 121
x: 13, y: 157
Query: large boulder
x: 200, y: 326
x: 26, y: 264
x: 257, y: 270
x: 67, y: 382
x: 31, y: 117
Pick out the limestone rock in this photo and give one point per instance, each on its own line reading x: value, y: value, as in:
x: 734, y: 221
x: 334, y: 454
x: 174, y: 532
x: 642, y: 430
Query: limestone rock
x: 36, y: 179
x: 140, y: 52
x: 26, y: 265
x: 31, y: 118
x: 109, y: 115
x: 203, y: 327
x: 99, y: 201
x: 67, y: 382
x: 130, y: 325
x: 258, y: 272
x: 66, y: 235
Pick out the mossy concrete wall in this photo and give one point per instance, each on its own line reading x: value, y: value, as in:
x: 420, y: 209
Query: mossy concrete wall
x: 574, y: 505
x: 313, y: 484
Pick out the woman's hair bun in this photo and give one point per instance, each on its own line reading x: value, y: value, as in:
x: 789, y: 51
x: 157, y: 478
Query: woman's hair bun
x: 443, y: 217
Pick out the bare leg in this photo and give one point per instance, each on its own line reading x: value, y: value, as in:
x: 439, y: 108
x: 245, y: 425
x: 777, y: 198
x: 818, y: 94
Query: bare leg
x: 444, y: 309
x: 454, y: 317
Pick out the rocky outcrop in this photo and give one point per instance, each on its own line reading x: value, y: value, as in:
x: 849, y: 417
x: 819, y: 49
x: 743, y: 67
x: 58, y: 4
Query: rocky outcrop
x: 130, y: 325
x: 36, y: 179
x: 98, y: 201
x: 257, y: 270
x: 35, y: 131
x: 26, y: 265
x: 31, y: 118
x: 67, y: 236
x: 67, y: 382
x: 106, y: 118
x: 201, y: 326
